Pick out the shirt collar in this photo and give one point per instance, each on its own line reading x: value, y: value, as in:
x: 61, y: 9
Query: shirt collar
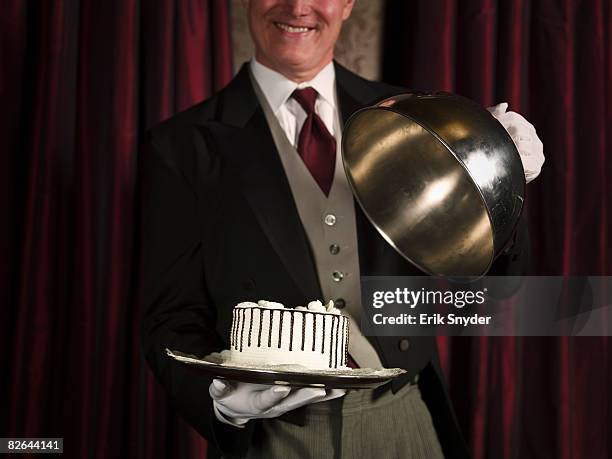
x: 277, y: 88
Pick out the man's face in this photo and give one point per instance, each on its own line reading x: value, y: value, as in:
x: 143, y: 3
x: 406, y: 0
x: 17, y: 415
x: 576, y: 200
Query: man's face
x: 296, y: 37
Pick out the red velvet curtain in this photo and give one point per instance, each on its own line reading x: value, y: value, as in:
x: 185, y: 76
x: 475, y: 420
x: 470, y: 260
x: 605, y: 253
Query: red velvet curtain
x: 552, y: 61
x: 81, y: 80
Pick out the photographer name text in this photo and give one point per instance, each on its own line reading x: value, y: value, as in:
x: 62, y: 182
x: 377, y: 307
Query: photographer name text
x: 431, y: 319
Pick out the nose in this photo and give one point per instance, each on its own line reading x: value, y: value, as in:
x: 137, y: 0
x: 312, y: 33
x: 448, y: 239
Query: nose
x: 299, y: 7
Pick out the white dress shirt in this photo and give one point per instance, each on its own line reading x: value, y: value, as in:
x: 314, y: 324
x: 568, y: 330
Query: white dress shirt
x: 277, y: 89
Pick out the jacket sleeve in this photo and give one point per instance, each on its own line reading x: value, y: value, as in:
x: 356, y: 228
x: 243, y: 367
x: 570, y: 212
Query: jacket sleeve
x: 178, y: 313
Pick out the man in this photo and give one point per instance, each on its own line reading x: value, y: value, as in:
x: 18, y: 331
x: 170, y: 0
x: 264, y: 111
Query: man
x: 246, y: 199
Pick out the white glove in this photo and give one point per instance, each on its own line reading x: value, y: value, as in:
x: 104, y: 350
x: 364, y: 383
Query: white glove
x: 525, y: 138
x: 239, y: 402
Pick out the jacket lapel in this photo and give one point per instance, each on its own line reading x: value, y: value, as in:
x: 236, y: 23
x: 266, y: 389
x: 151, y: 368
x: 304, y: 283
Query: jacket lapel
x: 243, y: 136
x: 354, y: 93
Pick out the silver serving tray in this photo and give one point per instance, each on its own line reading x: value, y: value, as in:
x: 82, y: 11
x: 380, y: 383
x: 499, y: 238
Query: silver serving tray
x: 215, y: 365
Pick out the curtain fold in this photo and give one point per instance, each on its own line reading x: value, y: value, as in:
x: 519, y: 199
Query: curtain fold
x: 82, y: 81
x: 550, y: 59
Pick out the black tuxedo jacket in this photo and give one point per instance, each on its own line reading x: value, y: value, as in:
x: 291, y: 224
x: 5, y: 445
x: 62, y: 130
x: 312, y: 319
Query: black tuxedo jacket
x: 221, y: 227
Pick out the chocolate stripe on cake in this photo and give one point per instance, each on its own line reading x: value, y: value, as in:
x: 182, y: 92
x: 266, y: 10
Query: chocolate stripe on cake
x: 291, y: 333
x: 342, y: 343
x: 341, y: 338
x: 323, y: 342
x: 331, y: 344
x: 346, y: 343
x: 250, y: 326
x: 337, y: 340
x: 303, y: 329
x: 260, y: 327
x: 241, y: 326
x: 280, y: 328
x: 270, y: 329
x: 314, y: 331
x: 236, y: 328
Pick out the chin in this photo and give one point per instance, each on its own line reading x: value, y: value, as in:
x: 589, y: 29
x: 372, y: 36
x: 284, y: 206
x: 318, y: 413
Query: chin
x: 294, y: 60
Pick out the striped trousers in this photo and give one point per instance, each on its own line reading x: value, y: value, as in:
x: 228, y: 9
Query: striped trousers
x: 358, y: 425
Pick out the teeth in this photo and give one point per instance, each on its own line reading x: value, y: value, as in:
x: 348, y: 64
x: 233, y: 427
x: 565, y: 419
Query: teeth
x: 291, y: 29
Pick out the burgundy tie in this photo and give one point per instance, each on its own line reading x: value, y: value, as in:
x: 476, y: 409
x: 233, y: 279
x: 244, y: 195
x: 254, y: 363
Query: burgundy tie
x: 316, y: 145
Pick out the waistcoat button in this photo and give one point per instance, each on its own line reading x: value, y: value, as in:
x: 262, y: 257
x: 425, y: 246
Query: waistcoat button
x: 404, y: 344
x: 330, y: 220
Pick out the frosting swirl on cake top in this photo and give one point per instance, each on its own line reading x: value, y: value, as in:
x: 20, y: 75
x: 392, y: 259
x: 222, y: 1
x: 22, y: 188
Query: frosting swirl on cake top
x: 313, y: 306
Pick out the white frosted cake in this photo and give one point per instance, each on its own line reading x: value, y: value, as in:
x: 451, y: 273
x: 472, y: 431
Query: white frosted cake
x: 267, y: 333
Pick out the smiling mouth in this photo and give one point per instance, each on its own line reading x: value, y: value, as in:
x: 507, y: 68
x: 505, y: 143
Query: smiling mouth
x: 293, y: 29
